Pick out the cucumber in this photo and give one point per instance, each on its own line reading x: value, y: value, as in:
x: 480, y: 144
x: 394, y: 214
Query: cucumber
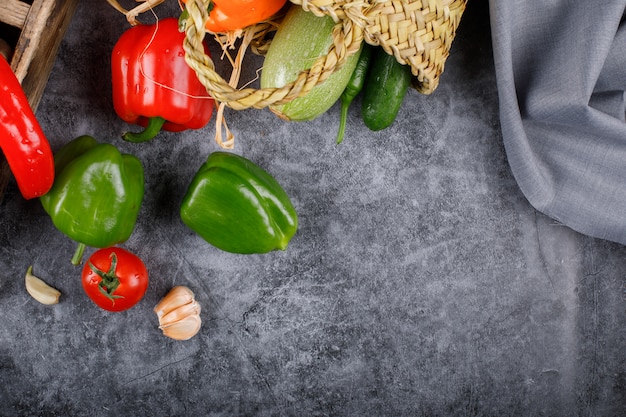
x: 386, y: 85
x: 301, y: 38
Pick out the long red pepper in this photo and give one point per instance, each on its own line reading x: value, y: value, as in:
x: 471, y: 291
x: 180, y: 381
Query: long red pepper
x: 152, y: 84
x: 22, y: 140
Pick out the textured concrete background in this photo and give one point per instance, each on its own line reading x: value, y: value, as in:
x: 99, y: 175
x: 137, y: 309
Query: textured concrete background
x: 420, y: 282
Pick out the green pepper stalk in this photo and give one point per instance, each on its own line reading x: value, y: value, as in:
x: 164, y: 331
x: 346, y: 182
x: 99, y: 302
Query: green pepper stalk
x: 238, y: 207
x: 96, y: 195
x: 354, y: 87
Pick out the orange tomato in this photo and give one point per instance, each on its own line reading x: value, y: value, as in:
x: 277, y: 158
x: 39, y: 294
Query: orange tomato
x: 227, y: 15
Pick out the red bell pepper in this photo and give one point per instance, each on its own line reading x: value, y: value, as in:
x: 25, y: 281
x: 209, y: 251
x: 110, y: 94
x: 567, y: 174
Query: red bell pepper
x: 22, y: 140
x: 152, y: 84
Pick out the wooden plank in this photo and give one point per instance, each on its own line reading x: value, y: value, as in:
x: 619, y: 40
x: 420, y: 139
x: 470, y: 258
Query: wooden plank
x: 36, y: 78
x: 43, y: 28
x: 30, y: 41
x: 14, y: 12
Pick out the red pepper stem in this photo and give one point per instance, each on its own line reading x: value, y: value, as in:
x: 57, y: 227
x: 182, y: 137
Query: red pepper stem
x: 78, y: 254
x: 151, y: 130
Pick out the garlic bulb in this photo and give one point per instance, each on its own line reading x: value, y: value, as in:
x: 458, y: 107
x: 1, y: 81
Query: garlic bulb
x: 179, y: 314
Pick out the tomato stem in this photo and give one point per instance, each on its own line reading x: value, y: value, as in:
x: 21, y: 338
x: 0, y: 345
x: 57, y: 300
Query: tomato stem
x: 109, y: 280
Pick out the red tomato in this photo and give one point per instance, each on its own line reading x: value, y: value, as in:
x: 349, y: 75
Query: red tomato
x: 115, y: 279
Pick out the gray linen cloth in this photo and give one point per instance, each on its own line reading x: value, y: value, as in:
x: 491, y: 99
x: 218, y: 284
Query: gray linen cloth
x: 561, y: 75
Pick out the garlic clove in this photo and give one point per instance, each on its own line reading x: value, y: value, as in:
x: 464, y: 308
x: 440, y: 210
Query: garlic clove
x: 179, y: 313
x: 39, y: 290
x: 178, y: 296
x: 182, y: 329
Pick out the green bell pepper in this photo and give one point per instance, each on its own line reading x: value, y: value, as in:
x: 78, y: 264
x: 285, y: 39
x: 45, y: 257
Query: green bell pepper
x: 96, y: 195
x: 238, y: 207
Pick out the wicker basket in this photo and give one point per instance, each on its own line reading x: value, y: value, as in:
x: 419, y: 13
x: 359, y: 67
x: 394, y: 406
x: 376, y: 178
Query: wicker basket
x: 418, y: 33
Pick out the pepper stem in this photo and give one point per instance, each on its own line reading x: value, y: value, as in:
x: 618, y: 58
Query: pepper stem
x: 78, y: 254
x: 345, y: 105
x: 150, y: 131
x: 109, y: 280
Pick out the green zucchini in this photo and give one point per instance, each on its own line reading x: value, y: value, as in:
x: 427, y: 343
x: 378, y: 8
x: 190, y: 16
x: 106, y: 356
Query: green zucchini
x: 301, y: 38
x: 386, y: 85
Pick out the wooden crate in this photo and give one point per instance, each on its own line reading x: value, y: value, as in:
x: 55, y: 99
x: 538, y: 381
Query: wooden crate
x: 33, y: 29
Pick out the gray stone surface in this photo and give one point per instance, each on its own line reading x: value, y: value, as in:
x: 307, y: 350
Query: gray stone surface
x: 420, y: 282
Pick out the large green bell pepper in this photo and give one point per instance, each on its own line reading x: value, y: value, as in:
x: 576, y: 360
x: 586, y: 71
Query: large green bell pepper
x: 96, y: 195
x: 238, y: 207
